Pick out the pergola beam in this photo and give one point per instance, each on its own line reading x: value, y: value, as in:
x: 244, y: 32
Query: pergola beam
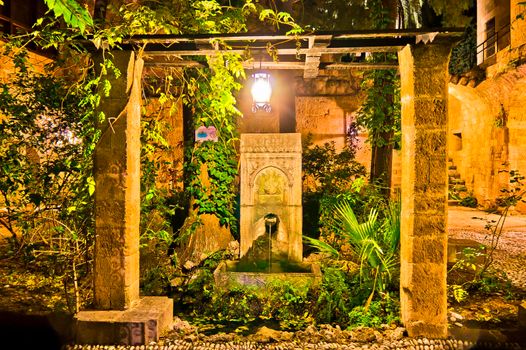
x: 309, y: 52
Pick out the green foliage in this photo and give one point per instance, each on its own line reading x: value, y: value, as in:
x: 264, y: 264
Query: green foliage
x: 457, y: 292
x: 212, y: 166
x: 453, y: 13
x: 469, y: 201
x: 464, y: 54
x: 334, y: 15
x: 384, y: 311
x: 325, y: 170
x: 282, y: 302
x: 327, y: 176
x: 380, y: 112
x: 335, y: 298
x: 375, y: 248
x: 46, y: 183
x: 73, y: 14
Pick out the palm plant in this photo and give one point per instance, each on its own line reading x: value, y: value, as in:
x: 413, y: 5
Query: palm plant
x: 373, y: 243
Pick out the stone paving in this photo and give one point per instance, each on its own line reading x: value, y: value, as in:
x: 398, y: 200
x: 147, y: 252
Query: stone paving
x: 510, y: 255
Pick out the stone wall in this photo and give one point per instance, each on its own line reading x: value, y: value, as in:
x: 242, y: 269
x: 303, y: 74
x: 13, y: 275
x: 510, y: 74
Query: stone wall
x: 7, y: 68
x: 499, y: 11
x: 170, y: 159
x: 491, y: 122
x: 518, y: 26
x: 326, y: 107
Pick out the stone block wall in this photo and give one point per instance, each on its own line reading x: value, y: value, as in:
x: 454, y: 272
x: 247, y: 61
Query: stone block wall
x: 171, y: 159
x: 491, y: 119
x: 323, y: 107
x: 518, y: 28
x: 326, y: 107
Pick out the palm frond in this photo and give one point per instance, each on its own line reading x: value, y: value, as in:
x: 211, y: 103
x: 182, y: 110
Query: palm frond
x: 321, y: 246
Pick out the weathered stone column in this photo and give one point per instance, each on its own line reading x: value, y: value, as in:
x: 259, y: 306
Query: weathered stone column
x: 117, y: 193
x: 424, y: 94
x: 121, y: 317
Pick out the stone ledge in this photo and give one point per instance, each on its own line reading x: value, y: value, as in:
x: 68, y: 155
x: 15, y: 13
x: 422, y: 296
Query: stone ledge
x: 146, y: 321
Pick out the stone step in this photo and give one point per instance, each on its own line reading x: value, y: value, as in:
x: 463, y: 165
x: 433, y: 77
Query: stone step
x: 453, y: 202
x: 454, y: 175
x: 457, y: 188
x: 452, y: 167
x: 457, y: 181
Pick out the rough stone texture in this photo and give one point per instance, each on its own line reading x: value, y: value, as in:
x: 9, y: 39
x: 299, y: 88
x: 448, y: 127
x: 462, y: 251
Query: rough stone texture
x: 484, y: 149
x: 522, y: 315
x: 327, y: 119
x: 271, y: 183
x: 226, y: 277
x: 424, y: 179
x: 7, y: 68
x: 146, y: 321
x: 117, y: 194
x: 170, y: 159
x: 518, y: 28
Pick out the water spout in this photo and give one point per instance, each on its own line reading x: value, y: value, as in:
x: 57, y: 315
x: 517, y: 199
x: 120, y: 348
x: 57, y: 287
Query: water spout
x: 271, y: 221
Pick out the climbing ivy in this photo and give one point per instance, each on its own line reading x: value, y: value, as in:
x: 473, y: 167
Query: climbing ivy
x: 212, y: 166
x: 380, y: 111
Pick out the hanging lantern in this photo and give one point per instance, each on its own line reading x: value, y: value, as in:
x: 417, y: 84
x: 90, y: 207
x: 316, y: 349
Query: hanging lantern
x: 261, y: 91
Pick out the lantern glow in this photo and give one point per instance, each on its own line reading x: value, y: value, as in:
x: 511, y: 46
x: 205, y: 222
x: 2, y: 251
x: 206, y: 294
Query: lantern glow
x: 261, y: 92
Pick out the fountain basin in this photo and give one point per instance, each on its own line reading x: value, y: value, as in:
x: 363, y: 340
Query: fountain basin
x: 230, y: 274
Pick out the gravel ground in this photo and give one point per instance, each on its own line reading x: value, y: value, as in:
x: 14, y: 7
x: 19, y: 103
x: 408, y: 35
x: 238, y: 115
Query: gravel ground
x: 409, y: 344
x: 510, y: 255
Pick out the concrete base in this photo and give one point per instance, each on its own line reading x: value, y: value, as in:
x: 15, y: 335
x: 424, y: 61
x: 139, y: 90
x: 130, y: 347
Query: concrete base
x: 146, y: 321
x: 226, y: 277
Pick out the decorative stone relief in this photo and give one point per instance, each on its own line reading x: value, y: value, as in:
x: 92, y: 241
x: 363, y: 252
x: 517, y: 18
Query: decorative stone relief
x: 271, y: 185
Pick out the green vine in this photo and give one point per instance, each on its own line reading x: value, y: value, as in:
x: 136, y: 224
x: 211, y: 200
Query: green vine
x: 212, y: 166
x: 380, y: 112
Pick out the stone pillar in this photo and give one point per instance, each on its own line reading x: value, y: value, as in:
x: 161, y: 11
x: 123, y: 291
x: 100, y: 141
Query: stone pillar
x: 121, y: 317
x: 424, y: 94
x: 117, y: 194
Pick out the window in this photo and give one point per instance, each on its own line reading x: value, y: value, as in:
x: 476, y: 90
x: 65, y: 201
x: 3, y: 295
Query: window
x: 491, y: 38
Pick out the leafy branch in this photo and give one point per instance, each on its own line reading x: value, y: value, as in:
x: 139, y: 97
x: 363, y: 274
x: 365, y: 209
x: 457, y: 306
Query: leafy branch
x: 73, y: 14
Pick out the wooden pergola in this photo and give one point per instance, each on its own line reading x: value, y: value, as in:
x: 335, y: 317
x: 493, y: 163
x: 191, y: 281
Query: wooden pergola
x: 423, y: 58
x: 306, y: 52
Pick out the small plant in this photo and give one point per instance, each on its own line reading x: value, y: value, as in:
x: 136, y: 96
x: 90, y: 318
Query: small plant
x: 469, y: 201
x: 511, y: 197
x: 502, y: 117
x: 384, y: 311
x: 457, y: 292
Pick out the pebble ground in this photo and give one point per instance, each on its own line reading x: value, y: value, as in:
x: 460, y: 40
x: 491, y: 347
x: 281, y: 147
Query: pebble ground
x: 406, y: 344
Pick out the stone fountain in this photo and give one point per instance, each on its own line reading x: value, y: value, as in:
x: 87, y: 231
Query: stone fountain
x: 271, y: 213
